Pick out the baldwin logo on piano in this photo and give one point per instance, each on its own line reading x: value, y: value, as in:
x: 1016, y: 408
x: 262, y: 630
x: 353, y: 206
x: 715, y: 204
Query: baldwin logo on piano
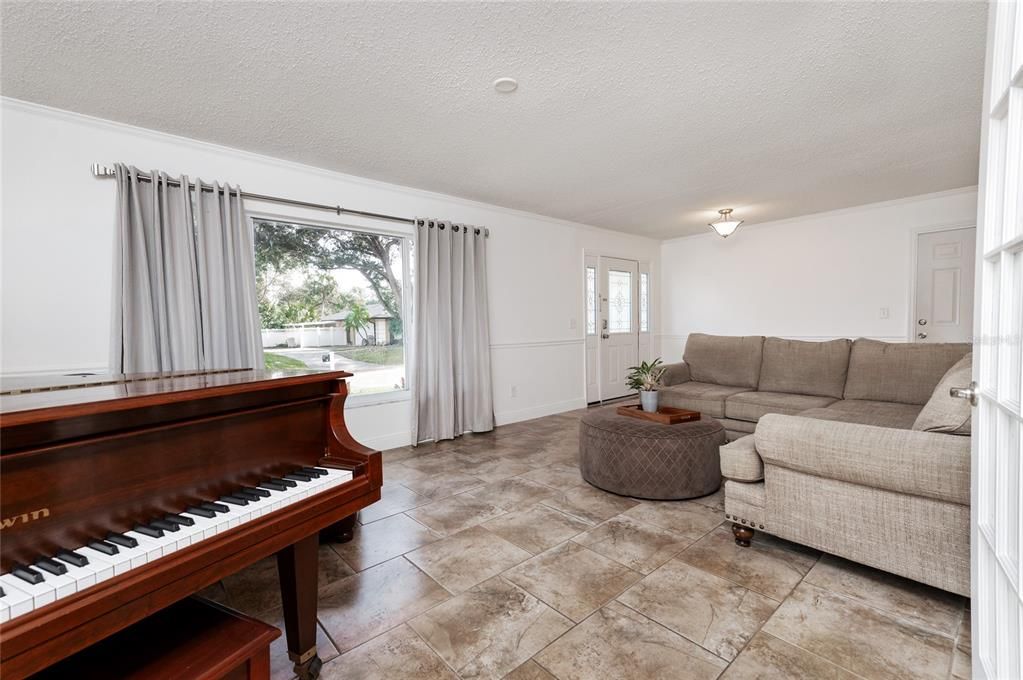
x: 24, y: 518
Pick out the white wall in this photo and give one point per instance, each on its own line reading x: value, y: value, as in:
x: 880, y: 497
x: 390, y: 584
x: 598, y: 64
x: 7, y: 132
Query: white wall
x: 820, y: 276
x: 57, y: 246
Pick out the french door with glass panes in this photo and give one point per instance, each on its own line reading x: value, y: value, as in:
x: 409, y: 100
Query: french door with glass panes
x: 619, y: 322
x: 997, y: 524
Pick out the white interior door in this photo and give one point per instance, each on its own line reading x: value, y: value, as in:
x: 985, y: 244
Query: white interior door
x: 998, y: 420
x: 945, y: 264
x: 619, y: 324
x: 592, y: 335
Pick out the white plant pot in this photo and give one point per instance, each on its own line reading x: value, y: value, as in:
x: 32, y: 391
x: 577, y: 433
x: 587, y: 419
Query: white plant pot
x: 648, y: 398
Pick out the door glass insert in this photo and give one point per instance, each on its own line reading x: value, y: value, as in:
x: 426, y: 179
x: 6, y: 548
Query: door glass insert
x: 619, y: 313
x: 644, y: 305
x: 591, y: 301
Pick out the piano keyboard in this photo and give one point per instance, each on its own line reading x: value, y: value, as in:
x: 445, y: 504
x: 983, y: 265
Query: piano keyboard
x: 49, y: 579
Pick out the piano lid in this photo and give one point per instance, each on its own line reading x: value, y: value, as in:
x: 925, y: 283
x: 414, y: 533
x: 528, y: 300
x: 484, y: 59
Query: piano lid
x: 20, y: 393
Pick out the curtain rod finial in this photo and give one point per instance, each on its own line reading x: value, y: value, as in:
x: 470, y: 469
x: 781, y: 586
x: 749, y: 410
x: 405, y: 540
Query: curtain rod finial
x: 101, y: 170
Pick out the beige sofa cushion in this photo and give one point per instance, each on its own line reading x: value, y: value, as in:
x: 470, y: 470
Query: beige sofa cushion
x: 877, y: 413
x: 798, y: 367
x: 740, y: 461
x: 902, y: 372
x: 724, y: 359
x: 706, y: 398
x: 752, y: 405
x: 943, y: 412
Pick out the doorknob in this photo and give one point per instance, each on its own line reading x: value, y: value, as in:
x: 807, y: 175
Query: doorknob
x: 921, y: 335
x: 604, y: 336
x: 967, y: 393
x: 922, y: 322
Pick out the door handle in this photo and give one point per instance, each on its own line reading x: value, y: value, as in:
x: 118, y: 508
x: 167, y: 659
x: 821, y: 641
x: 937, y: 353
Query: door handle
x: 921, y: 322
x: 967, y: 393
x: 604, y: 336
x: 921, y: 335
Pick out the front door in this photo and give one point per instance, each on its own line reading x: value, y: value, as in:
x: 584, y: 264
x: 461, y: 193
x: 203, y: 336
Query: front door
x: 619, y: 324
x: 998, y: 419
x: 944, y: 285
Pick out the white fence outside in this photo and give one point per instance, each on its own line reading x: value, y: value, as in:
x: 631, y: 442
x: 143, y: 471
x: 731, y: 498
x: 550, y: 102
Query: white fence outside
x: 311, y: 336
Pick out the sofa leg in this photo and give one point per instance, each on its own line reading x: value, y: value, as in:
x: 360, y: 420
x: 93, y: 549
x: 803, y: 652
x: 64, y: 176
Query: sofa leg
x: 742, y: 534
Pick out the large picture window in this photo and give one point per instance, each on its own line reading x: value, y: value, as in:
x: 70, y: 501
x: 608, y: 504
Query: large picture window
x: 333, y: 299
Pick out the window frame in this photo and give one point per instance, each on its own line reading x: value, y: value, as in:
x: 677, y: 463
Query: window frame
x: 406, y: 235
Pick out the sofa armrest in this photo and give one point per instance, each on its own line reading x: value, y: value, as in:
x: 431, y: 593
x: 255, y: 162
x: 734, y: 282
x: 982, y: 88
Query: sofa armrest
x: 675, y: 374
x: 927, y: 464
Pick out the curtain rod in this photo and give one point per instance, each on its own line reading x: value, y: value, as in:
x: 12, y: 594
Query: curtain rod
x: 107, y: 171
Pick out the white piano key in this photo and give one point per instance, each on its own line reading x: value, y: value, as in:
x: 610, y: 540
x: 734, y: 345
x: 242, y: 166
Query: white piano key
x: 101, y: 570
x: 84, y: 577
x: 149, y: 546
x: 16, y: 601
x: 120, y: 563
x: 41, y: 593
x: 5, y: 612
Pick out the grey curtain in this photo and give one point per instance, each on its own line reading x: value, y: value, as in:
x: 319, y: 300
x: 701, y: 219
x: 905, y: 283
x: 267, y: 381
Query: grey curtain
x: 451, y: 382
x: 184, y: 278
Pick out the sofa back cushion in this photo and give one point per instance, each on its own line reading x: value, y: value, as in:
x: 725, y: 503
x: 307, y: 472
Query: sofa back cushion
x: 901, y: 372
x: 798, y: 367
x: 943, y: 412
x: 725, y: 359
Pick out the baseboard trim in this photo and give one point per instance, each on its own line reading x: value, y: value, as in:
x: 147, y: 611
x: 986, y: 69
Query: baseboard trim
x: 508, y: 417
x: 393, y: 440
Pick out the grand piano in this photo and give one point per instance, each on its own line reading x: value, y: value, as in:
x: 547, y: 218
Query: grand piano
x: 123, y: 495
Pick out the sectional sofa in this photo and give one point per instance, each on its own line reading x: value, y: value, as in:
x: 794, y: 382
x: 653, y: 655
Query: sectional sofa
x: 851, y: 447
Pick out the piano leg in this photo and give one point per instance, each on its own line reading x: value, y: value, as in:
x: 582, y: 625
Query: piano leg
x: 341, y: 532
x: 297, y: 566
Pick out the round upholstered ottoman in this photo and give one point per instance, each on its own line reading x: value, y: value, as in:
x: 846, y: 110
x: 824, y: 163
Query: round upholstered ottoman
x: 645, y: 459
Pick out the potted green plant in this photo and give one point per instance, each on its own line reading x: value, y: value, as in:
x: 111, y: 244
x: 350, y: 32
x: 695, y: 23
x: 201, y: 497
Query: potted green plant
x: 645, y: 378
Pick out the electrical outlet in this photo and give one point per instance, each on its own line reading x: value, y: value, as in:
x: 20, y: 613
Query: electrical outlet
x: 885, y: 313
x: 514, y: 391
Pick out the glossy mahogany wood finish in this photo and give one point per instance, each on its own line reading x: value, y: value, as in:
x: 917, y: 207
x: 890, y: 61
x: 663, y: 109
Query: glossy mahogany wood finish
x: 126, y: 452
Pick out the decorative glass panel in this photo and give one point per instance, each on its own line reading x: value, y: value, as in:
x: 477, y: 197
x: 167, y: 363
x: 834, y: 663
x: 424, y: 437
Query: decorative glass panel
x: 591, y: 301
x: 619, y: 304
x: 644, y: 304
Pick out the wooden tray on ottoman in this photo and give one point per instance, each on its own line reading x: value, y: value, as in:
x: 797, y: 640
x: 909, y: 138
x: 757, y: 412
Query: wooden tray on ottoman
x: 665, y: 414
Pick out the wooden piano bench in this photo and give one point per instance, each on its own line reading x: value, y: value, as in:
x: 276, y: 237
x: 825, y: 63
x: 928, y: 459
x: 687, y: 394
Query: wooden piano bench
x: 194, y: 639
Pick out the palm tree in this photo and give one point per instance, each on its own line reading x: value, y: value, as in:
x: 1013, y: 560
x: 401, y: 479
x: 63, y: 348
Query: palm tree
x: 358, y: 319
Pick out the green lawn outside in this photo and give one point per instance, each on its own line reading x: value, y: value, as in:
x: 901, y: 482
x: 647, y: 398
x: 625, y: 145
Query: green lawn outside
x: 271, y: 360
x: 386, y: 355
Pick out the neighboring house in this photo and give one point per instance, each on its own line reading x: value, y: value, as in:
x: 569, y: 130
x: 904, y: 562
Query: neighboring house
x: 378, y: 333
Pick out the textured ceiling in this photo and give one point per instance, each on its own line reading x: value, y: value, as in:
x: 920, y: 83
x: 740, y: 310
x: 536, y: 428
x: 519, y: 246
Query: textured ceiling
x: 639, y: 117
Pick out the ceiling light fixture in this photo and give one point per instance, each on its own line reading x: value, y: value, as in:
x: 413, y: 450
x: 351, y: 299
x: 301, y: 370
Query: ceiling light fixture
x: 726, y: 224
x: 506, y: 85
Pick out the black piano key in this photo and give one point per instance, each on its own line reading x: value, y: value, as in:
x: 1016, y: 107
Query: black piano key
x: 152, y: 532
x: 201, y: 512
x: 284, y: 481
x: 180, y: 520
x: 72, y: 557
x: 298, y: 477
x: 262, y: 493
x: 234, y: 500
x: 2, y: 593
x: 315, y: 472
x: 55, y: 568
x: 271, y: 484
x: 122, y: 540
x: 27, y: 575
x: 216, y: 507
x: 164, y: 525
x: 248, y: 495
x: 104, y: 547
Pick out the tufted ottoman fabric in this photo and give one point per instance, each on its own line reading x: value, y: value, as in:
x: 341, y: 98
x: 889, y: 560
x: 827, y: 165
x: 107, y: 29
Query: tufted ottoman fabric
x: 644, y: 459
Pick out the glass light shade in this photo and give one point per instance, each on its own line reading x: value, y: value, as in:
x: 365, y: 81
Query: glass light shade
x: 726, y: 225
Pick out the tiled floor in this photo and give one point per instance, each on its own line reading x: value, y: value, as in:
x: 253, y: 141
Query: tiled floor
x: 490, y: 557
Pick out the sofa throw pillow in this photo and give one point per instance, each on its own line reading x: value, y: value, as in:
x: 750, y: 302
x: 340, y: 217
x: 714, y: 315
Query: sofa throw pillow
x: 944, y: 413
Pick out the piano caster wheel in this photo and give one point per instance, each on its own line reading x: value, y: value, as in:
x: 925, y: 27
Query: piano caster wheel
x: 310, y: 670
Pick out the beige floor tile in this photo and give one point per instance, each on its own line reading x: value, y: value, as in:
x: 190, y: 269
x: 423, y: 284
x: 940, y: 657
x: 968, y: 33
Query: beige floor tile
x: 922, y: 605
x: 715, y: 500
x: 443, y: 485
x: 590, y: 504
x: 716, y: 614
x: 451, y: 515
x: 558, y: 476
x: 397, y: 473
x: 768, y: 658
x: 462, y: 560
x: 864, y: 640
x: 637, y: 545
x: 574, y: 580
x: 398, y: 654
x: 490, y: 629
x: 402, y: 453
x: 281, y: 665
x: 255, y: 590
x: 962, y: 665
x: 688, y: 518
x: 360, y: 607
x: 616, y: 642
x: 515, y: 493
x: 770, y: 566
x: 394, y: 498
x: 537, y: 528
x: 332, y: 567
x: 435, y: 463
x: 490, y: 468
x: 530, y: 670
x: 386, y: 538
